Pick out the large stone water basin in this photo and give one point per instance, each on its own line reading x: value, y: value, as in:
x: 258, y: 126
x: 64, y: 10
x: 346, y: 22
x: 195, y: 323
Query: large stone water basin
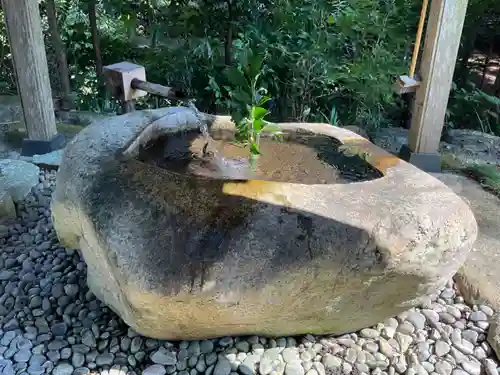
x: 179, y: 256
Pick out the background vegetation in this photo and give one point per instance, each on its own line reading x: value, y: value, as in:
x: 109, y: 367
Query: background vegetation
x: 326, y: 60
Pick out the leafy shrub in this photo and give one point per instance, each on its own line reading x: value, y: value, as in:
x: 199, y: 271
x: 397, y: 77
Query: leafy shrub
x: 328, y: 60
x: 472, y: 108
x: 325, y: 57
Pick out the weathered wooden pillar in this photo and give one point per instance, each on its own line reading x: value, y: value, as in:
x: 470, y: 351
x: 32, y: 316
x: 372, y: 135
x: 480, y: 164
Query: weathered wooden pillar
x: 444, y: 31
x: 22, y: 18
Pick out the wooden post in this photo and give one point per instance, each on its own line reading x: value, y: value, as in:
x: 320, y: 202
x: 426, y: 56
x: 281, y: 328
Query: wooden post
x: 444, y: 30
x: 22, y: 18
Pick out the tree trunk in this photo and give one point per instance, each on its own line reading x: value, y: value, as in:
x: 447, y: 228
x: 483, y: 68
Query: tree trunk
x: 229, y: 36
x: 95, y: 36
x: 60, y: 52
x: 24, y: 28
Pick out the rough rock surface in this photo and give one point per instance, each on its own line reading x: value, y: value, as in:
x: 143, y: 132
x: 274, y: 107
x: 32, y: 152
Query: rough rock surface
x: 494, y: 333
x: 17, y: 177
x: 357, y: 130
x: 466, y: 147
x: 391, y: 139
x: 7, y: 207
x: 178, y: 257
x: 479, y: 278
x: 51, y: 159
x: 471, y: 147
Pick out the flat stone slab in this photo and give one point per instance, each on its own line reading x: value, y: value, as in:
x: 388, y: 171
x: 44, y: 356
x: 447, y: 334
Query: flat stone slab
x: 51, y: 160
x: 18, y: 177
x: 479, y: 277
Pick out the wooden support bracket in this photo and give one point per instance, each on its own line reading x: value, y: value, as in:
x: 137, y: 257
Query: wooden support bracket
x: 406, y: 84
x: 127, y: 83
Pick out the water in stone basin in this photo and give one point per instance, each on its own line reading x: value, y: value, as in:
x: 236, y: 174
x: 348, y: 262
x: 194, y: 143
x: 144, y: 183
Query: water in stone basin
x: 298, y: 158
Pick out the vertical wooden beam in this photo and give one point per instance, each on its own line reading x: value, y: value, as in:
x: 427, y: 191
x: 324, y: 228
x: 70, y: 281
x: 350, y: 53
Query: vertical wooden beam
x: 444, y: 30
x: 23, y: 23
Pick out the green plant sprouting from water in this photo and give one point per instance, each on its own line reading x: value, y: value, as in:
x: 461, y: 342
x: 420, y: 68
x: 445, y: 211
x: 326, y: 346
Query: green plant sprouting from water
x: 248, y: 101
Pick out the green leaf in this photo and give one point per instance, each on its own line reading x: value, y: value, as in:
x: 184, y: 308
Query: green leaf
x: 238, y: 119
x: 237, y: 78
x: 255, y: 65
x: 491, y: 99
x: 263, y: 100
x: 257, y: 126
x: 259, y: 113
x: 331, y: 19
x: 334, y: 116
x: 241, y: 96
x: 254, y: 149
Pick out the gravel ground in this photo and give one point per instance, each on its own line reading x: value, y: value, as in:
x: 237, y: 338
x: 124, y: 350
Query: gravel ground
x: 50, y: 323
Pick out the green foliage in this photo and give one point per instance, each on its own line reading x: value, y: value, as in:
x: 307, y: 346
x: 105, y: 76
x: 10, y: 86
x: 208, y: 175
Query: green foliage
x: 345, y: 56
x: 323, y: 54
x: 7, y: 78
x: 326, y: 60
x: 472, y: 108
x: 246, y: 98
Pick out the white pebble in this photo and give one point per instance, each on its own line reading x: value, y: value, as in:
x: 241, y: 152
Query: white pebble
x: 441, y: 348
x: 404, y: 341
x: 331, y: 362
x: 478, y: 316
x: 479, y: 353
x: 416, y: 319
x: 369, y: 333
x: 154, y: 370
x: 487, y: 310
x: 490, y: 367
x: 406, y: 328
x: 472, y: 367
x: 294, y: 368
x: 319, y: 367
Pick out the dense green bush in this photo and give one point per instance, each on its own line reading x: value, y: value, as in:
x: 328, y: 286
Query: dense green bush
x: 7, y: 78
x: 326, y: 60
x: 321, y: 56
x: 474, y: 109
